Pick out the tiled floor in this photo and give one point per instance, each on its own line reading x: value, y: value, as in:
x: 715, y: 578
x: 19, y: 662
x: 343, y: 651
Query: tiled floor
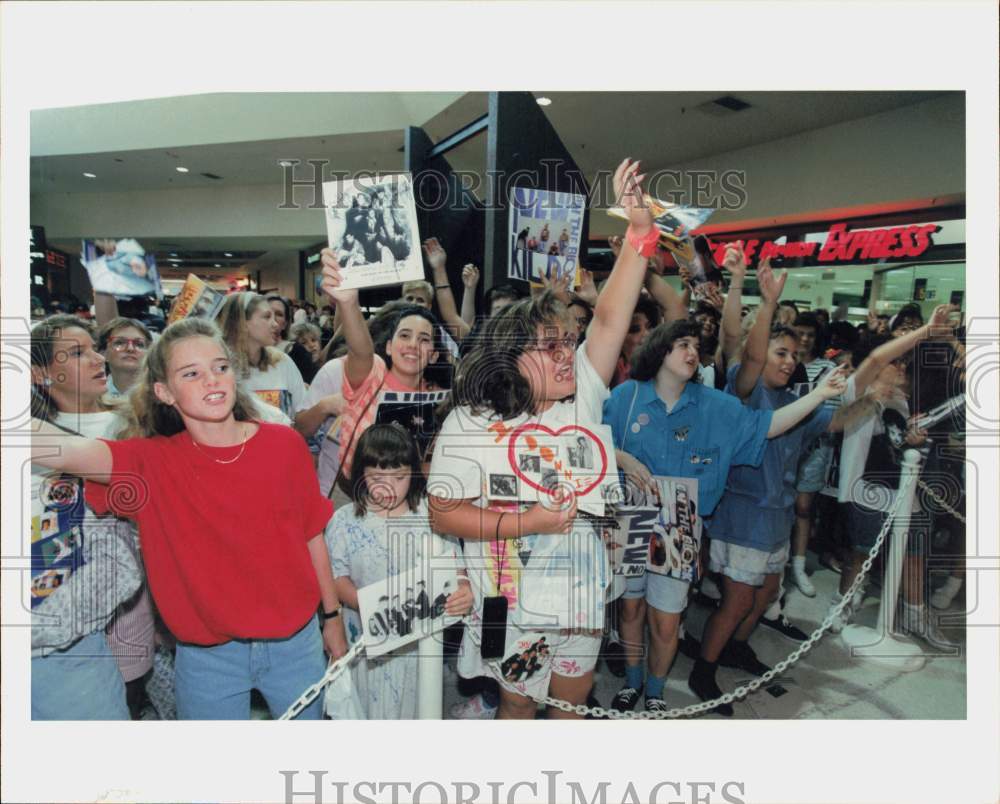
x: 826, y: 682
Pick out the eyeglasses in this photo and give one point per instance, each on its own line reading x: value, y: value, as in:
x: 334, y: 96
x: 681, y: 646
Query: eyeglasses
x: 121, y: 344
x: 552, y: 345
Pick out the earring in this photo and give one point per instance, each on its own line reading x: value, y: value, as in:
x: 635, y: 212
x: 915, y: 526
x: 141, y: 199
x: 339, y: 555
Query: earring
x: 47, y: 382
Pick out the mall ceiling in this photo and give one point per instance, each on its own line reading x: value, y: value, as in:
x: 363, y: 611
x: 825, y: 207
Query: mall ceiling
x: 666, y: 129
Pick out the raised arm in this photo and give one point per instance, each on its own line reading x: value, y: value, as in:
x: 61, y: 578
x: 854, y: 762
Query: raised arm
x: 787, y: 417
x: 470, y: 279
x: 105, y: 308
x: 665, y: 296
x: 57, y: 449
x: 755, y: 352
x: 360, y: 349
x: 437, y: 259
x: 615, y: 304
x: 732, y: 330
x: 938, y: 325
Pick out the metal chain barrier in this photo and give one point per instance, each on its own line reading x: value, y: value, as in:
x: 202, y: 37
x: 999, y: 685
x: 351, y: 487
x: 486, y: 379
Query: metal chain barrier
x: 341, y: 664
x: 939, y: 500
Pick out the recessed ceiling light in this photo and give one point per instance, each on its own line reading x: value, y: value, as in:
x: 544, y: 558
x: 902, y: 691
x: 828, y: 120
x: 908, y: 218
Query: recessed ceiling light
x: 228, y: 254
x: 543, y: 101
x: 181, y: 169
x: 217, y: 265
x: 173, y: 253
x: 285, y: 162
x: 90, y: 175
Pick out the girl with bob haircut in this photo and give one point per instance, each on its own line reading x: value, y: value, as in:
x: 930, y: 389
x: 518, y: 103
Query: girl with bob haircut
x: 527, y: 371
x: 385, y: 532
x: 236, y: 577
x: 667, y: 424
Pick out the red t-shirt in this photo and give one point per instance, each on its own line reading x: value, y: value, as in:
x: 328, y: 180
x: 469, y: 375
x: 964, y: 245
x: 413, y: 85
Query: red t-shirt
x: 224, y: 544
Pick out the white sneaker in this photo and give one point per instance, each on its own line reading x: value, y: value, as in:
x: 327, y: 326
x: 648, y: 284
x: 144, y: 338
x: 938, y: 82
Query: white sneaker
x: 842, y: 619
x: 917, y: 621
x: 473, y: 708
x: 941, y: 599
x: 802, y: 581
x: 859, y: 595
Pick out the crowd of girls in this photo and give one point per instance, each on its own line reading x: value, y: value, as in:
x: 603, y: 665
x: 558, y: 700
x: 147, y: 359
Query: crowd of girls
x: 176, y: 474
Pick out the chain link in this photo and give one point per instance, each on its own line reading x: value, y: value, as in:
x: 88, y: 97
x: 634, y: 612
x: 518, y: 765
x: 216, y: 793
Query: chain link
x: 337, y: 667
x: 939, y: 500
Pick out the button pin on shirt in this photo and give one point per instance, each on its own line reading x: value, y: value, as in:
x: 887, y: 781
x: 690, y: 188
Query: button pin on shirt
x: 636, y: 427
x: 643, y: 419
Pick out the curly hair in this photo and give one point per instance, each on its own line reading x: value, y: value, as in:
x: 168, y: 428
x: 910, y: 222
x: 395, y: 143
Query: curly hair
x: 488, y: 379
x: 649, y: 357
x: 145, y: 414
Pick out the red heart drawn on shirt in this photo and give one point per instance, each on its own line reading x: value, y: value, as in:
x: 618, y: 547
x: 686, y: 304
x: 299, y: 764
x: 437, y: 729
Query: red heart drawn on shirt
x: 566, y: 474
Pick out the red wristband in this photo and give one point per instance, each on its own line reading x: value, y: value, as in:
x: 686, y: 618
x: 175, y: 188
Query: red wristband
x: 645, y: 244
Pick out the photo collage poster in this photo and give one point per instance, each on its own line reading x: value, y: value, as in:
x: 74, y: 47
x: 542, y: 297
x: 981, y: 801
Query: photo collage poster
x: 371, y: 225
x: 56, y: 533
x: 545, y: 231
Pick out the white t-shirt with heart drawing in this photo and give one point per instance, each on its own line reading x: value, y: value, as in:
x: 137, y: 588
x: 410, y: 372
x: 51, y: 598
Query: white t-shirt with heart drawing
x: 550, y: 581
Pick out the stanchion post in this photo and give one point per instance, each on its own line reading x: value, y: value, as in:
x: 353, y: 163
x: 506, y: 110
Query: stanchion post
x: 430, y: 677
x: 900, y: 536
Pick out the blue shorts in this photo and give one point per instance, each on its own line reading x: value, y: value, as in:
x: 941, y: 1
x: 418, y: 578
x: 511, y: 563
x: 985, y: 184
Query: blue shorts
x: 746, y: 564
x: 662, y: 592
x: 865, y: 524
x: 813, y: 468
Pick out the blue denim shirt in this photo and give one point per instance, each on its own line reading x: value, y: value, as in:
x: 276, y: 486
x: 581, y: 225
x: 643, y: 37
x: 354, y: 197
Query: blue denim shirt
x: 706, y: 432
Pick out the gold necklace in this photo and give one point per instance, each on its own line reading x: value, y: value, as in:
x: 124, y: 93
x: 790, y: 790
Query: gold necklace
x: 230, y: 460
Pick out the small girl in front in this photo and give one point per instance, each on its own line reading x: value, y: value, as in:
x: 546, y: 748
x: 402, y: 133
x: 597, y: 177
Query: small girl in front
x: 230, y: 519
x: 385, y: 532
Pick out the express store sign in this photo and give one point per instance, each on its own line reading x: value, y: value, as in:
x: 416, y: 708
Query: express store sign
x: 843, y: 246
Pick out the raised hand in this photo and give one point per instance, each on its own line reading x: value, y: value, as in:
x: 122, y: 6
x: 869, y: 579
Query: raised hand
x: 332, y: 279
x: 710, y: 293
x: 470, y: 276
x: 436, y: 255
x: 770, y: 287
x: 628, y: 194
x: 587, y: 290
x: 833, y: 383
x: 685, y: 274
x: 735, y: 261
x: 940, y: 322
x: 558, y: 285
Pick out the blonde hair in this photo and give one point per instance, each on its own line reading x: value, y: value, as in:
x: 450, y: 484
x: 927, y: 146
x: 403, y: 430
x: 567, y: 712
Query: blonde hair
x: 232, y: 319
x: 418, y: 284
x: 44, y: 337
x: 145, y: 414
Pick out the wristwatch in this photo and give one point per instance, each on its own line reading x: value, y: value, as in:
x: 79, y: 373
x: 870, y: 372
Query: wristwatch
x: 329, y: 615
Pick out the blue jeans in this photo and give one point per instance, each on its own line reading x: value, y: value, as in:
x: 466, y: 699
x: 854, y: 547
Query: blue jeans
x: 214, y: 682
x: 80, y: 683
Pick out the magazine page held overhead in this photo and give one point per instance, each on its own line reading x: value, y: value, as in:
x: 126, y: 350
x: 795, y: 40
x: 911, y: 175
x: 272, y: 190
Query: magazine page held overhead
x: 371, y: 224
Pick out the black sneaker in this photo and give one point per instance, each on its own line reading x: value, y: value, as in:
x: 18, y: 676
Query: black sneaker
x: 614, y: 658
x: 785, y: 628
x: 654, y: 704
x: 626, y: 699
x: 741, y: 656
x: 593, y: 703
x: 706, y: 689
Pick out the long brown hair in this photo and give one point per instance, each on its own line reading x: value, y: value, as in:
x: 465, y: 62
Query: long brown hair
x: 232, y: 318
x: 148, y: 416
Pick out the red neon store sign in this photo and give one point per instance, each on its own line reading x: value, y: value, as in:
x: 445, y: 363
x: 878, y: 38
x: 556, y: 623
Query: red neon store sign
x: 841, y: 245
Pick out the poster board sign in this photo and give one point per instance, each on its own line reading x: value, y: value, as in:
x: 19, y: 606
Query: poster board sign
x: 405, y: 607
x: 627, y: 537
x: 120, y: 267
x: 675, y: 221
x: 534, y: 463
x: 676, y: 531
x: 56, y: 533
x: 371, y: 225
x: 197, y: 299
x: 415, y: 411
x: 544, y: 234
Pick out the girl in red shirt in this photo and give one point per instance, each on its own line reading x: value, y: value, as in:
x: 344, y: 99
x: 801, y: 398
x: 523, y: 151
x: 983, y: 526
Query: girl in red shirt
x: 231, y: 526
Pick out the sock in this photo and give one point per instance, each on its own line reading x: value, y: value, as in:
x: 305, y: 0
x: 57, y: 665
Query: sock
x: 916, y: 610
x: 491, y: 697
x: 951, y: 586
x: 799, y: 564
x: 633, y: 676
x: 773, y: 611
x: 654, y: 685
x: 705, y: 668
